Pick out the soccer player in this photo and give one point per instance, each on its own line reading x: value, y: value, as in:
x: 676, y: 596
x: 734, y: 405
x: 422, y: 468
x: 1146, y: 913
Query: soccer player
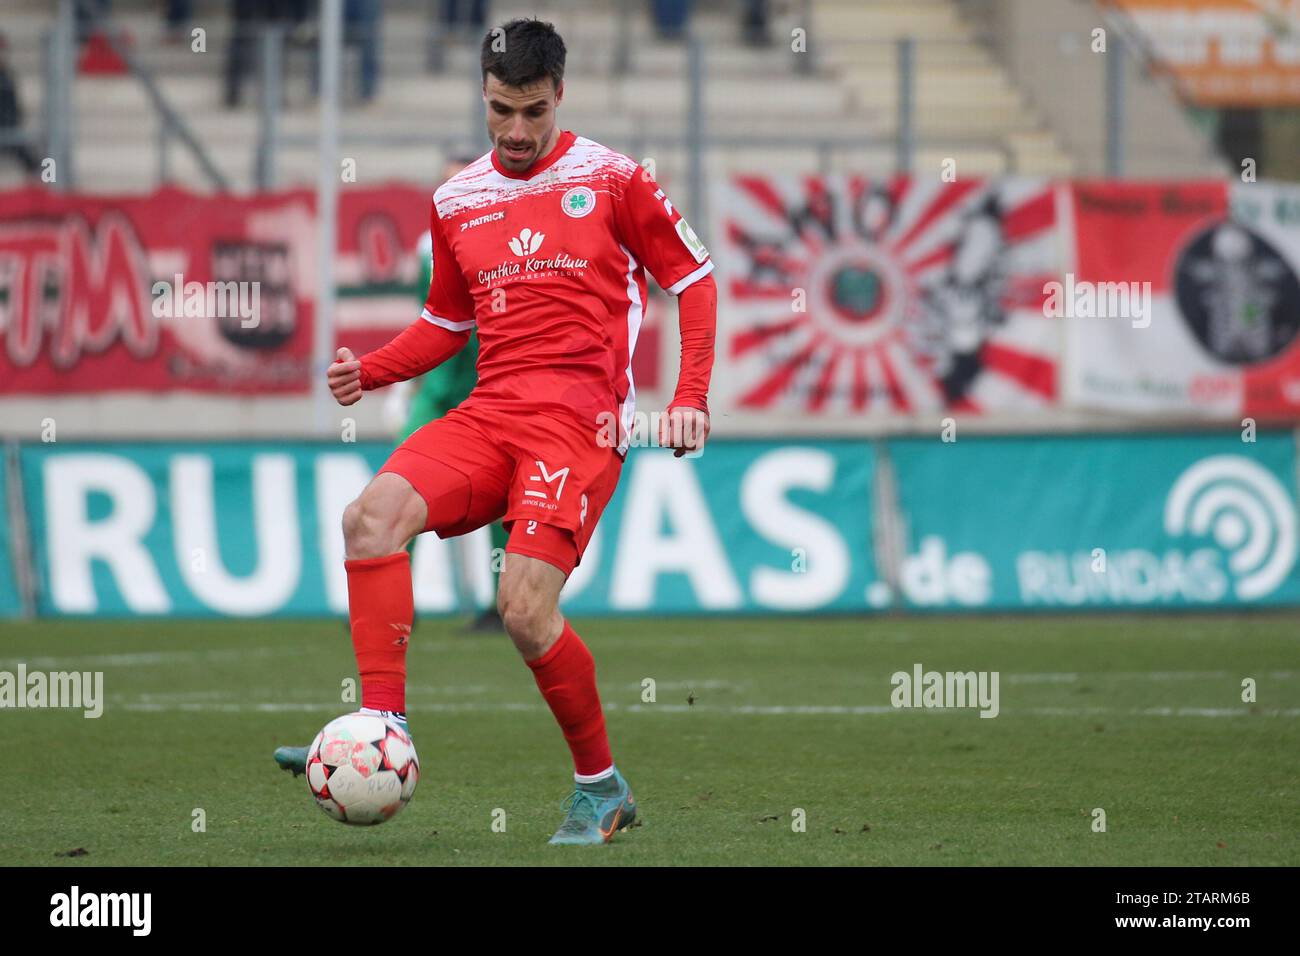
x: 541, y: 245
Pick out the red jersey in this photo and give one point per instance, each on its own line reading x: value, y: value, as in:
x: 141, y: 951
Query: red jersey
x: 549, y: 265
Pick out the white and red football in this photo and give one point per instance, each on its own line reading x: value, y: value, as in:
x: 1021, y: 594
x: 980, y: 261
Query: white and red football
x: 362, y: 769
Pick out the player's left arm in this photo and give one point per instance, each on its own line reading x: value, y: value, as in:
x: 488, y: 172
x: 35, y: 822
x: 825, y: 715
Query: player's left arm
x: 686, y: 425
x: 654, y: 230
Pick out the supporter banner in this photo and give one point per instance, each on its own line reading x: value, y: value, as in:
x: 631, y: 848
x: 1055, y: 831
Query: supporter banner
x: 849, y: 295
x: 1138, y: 521
x: 378, y: 268
x: 1184, y: 299
x: 183, y: 291
x: 253, y: 530
x: 1224, y: 52
x: 167, y: 291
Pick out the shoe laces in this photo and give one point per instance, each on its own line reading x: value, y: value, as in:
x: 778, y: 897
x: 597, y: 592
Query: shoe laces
x: 583, y: 808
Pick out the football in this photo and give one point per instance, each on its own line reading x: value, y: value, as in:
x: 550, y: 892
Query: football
x: 362, y: 769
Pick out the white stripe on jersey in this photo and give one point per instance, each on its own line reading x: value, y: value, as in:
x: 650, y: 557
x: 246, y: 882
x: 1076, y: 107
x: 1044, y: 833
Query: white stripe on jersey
x: 446, y: 323
x: 635, y: 312
x: 677, y: 287
x: 479, y: 184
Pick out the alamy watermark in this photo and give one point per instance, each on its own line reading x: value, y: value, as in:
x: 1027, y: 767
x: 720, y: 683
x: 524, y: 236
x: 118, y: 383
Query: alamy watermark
x: 77, y: 690
x: 75, y: 908
x: 1075, y: 299
x: 946, y: 689
x: 208, y: 300
x: 643, y: 433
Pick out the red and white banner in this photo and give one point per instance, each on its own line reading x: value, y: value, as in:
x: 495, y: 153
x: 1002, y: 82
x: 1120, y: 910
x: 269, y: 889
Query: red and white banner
x: 158, y: 293
x: 847, y: 295
x: 377, y: 269
x: 1217, y: 266
x: 840, y: 295
x: 167, y: 291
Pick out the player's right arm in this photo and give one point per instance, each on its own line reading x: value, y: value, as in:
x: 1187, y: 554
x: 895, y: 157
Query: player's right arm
x: 439, y: 333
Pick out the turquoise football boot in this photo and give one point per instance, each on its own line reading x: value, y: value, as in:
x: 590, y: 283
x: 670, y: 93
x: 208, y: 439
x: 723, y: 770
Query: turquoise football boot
x: 292, y: 758
x: 596, y: 812
x: 295, y: 758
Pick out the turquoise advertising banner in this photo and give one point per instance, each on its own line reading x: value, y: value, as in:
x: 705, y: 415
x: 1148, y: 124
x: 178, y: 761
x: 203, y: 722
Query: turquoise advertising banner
x: 11, y: 604
x: 1134, y: 521
x: 983, y: 523
x: 254, y: 530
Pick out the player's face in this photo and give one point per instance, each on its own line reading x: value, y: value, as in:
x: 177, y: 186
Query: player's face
x: 521, y: 120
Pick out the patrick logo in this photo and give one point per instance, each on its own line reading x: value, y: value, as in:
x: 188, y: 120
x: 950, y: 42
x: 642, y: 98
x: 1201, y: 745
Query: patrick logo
x: 403, y: 634
x: 527, y: 242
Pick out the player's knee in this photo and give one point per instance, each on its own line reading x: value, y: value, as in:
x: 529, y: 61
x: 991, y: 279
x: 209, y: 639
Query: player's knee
x: 360, y: 529
x: 527, y: 618
x: 380, y: 521
x: 519, y: 614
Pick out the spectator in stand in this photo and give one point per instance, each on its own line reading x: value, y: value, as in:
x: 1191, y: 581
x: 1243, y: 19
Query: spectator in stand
x: 754, y: 22
x: 464, y: 17
x: 83, y: 11
x: 11, y: 116
x: 361, y: 29
x: 247, y: 17
x: 463, y: 21
x: 670, y: 18
x: 178, y: 17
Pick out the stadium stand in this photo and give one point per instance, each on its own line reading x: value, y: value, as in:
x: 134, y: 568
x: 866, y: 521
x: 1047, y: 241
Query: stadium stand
x: 981, y: 91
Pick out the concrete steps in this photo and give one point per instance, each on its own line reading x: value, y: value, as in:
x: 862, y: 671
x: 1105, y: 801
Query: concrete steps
x: 966, y: 103
x: 960, y: 91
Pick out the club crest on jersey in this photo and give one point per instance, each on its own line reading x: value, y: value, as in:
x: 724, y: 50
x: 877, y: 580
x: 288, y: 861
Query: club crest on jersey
x: 578, y: 202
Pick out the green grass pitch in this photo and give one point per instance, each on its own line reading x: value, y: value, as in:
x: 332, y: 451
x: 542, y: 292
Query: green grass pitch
x: 754, y: 718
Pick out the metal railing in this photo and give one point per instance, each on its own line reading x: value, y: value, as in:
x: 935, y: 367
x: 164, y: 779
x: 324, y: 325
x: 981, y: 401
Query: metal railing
x: 696, y: 138
x: 59, y: 72
x: 899, y: 127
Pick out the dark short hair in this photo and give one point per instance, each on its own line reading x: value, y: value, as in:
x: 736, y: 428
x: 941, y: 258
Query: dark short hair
x: 532, y: 51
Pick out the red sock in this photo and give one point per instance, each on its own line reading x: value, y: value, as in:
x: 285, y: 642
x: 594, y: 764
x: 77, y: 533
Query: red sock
x: 566, y: 676
x: 381, y: 609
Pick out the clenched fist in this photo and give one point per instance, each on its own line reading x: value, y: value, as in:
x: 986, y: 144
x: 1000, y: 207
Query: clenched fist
x: 685, y: 429
x: 345, y: 378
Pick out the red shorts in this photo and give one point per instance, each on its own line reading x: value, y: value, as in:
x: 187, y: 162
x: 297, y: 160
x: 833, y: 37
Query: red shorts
x: 550, y: 478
